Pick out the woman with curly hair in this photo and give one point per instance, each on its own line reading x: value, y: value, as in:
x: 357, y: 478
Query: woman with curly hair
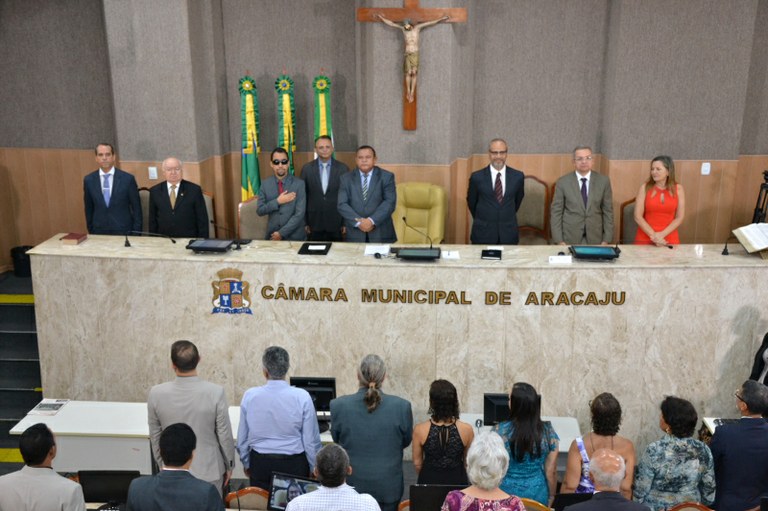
x: 606, y: 419
x: 440, y: 444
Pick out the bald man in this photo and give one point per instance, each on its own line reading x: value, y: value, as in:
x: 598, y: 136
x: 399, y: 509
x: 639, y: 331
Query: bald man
x: 607, y: 470
x: 176, y: 206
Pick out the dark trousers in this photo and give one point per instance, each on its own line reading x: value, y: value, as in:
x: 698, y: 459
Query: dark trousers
x: 324, y: 236
x: 262, y: 466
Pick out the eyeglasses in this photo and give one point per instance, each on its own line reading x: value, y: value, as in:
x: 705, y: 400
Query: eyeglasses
x: 279, y: 162
x: 738, y: 396
x: 584, y: 158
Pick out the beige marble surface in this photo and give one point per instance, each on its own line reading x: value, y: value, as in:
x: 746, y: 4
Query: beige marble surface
x: 689, y: 325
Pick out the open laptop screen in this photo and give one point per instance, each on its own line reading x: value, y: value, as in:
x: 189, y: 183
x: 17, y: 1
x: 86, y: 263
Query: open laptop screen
x: 106, y: 485
x: 284, y: 488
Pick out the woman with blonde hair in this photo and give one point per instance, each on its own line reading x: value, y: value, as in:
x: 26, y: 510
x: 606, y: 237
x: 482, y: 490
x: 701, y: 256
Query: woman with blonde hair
x: 660, y: 206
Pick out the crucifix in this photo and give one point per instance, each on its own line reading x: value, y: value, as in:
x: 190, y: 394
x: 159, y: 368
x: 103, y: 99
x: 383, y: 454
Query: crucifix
x: 410, y: 19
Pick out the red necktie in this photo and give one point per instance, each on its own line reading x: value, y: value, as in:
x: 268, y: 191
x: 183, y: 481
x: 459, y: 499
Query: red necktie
x: 280, y: 187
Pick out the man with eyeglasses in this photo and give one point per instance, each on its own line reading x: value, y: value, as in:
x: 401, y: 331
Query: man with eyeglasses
x: 283, y: 198
x: 740, y: 452
x: 494, y: 196
x: 176, y: 206
x: 582, y: 209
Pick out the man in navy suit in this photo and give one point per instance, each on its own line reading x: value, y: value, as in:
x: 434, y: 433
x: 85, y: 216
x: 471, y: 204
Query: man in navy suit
x: 740, y: 452
x: 494, y: 196
x: 284, y: 199
x: 607, y: 470
x: 367, y: 199
x: 176, y: 206
x: 112, y: 204
x: 322, y: 177
x: 174, y: 488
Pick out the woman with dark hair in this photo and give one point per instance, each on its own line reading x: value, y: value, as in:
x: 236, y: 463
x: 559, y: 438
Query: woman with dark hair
x: 760, y: 367
x: 606, y: 419
x: 676, y: 468
x: 440, y: 444
x: 659, y: 205
x: 532, y: 447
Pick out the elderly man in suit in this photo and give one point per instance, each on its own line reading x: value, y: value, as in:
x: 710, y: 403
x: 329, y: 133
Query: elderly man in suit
x: 367, y: 199
x: 174, y: 488
x: 284, y: 199
x: 740, y: 452
x: 322, y: 177
x: 111, y: 197
x: 176, y: 206
x: 37, y: 486
x: 201, y: 405
x: 582, y: 209
x: 607, y: 470
x: 494, y: 196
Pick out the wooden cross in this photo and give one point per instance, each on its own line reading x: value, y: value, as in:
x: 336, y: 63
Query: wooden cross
x: 414, y: 14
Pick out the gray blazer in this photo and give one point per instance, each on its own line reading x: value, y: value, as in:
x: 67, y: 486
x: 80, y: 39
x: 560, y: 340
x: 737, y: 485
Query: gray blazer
x: 203, y: 406
x: 379, y: 205
x: 570, y: 221
x: 287, y: 219
x: 374, y: 442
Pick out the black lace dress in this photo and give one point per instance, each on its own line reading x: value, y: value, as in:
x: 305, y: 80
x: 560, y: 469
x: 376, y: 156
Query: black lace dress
x: 443, y: 457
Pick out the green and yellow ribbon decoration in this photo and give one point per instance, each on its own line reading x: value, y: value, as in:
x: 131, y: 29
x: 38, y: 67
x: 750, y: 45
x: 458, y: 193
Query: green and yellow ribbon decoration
x: 323, y: 126
x: 250, y: 180
x: 286, y: 117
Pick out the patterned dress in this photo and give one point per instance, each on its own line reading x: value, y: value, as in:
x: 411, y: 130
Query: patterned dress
x: 585, y: 483
x: 458, y: 501
x: 443, y: 457
x: 527, y: 478
x: 675, y: 470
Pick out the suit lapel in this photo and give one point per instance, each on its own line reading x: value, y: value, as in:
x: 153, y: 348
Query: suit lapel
x: 576, y: 187
x: 179, y: 193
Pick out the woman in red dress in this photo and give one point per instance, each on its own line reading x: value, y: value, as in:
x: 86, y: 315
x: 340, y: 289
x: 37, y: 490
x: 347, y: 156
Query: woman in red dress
x: 659, y: 206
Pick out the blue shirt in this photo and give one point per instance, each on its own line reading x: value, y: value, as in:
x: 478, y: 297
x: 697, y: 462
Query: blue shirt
x: 277, y: 419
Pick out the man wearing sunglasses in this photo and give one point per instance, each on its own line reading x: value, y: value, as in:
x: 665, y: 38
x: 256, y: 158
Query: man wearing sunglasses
x: 283, y: 198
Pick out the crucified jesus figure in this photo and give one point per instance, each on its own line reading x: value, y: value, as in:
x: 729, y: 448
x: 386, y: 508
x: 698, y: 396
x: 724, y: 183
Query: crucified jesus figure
x: 411, y: 61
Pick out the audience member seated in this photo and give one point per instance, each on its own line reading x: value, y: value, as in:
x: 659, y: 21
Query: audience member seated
x: 487, y: 462
x: 608, y: 471
x: 676, y: 468
x: 606, y: 419
x: 335, y: 494
x: 659, y: 206
x: 174, y: 488
x: 440, y: 444
x: 37, y: 487
x: 740, y: 452
x: 531, y: 445
x: 374, y: 428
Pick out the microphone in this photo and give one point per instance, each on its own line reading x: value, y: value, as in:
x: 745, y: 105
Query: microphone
x: 725, y: 248
x: 420, y: 232
x: 237, y: 241
x: 144, y: 233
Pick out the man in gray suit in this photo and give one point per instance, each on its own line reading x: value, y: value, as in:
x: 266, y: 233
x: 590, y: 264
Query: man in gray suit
x: 283, y: 198
x: 582, y: 209
x: 367, y: 199
x: 200, y: 404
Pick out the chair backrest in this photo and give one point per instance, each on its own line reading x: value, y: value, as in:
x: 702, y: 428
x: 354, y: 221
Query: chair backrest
x: 533, y: 215
x: 425, y: 206
x: 144, y: 198
x: 627, y: 222
x: 689, y: 506
x: 532, y: 505
x: 249, y: 224
x: 208, y: 198
x: 404, y: 505
x: 249, y: 498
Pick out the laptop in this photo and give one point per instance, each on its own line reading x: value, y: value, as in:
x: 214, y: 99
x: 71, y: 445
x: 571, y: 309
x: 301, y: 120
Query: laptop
x: 568, y: 499
x: 430, y: 497
x: 108, y: 486
x: 285, y: 487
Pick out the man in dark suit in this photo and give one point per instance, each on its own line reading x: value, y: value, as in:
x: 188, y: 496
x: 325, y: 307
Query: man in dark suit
x: 174, y: 488
x: 607, y: 470
x: 111, y: 197
x: 740, y: 452
x: 582, y: 209
x: 494, y: 196
x: 176, y: 206
x: 283, y: 198
x: 322, y: 177
x: 367, y: 199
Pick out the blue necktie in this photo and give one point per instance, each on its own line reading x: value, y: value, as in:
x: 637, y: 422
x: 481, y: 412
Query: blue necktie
x: 324, y: 175
x: 105, y: 189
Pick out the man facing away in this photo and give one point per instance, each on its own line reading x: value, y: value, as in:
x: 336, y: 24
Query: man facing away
x: 335, y: 494
x: 607, y: 470
x: 494, y: 196
x: 367, y: 199
x: 322, y: 177
x: 111, y: 197
x: 37, y: 487
x: 284, y: 199
x: 201, y: 405
x: 174, y: 488
x: 582, y: 209
x: 176, y: 206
